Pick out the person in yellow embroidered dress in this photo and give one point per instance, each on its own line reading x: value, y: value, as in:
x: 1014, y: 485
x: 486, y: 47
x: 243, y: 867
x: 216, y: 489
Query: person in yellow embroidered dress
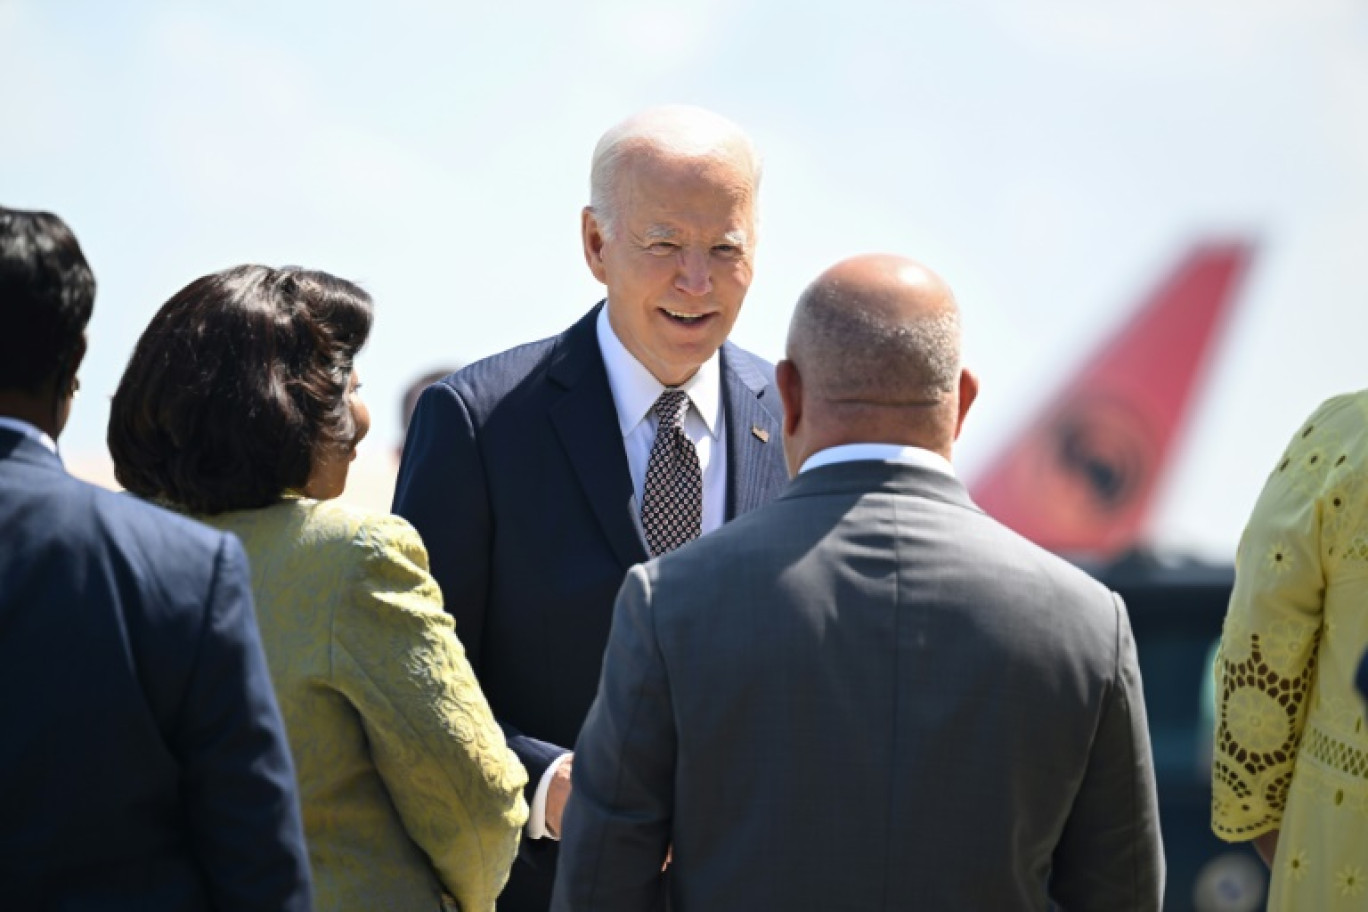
x: 1290, y: 769
x: 239, y: 406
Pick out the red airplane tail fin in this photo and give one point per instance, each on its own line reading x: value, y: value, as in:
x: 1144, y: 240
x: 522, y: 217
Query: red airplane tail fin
x: 1082, y: 478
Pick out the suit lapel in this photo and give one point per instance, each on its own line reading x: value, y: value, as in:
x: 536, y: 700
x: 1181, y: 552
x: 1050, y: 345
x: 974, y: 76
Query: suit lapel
x: 587, y: 424
x: 754, y: 434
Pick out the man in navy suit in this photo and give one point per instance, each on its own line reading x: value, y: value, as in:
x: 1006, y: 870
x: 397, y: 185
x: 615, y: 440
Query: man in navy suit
x: 143, y: 763
x: 537, y: 477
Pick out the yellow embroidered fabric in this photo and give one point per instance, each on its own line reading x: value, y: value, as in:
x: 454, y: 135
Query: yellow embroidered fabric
x: 407, y: 788
x: 1291, y: 749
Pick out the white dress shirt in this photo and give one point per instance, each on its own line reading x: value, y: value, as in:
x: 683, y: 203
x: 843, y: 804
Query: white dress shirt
x: 635, y: 390
x: 28, y: 430
x: 879, y: 452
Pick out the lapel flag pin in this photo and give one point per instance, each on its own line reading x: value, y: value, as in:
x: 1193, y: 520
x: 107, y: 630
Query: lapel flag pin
x: 760, y: 433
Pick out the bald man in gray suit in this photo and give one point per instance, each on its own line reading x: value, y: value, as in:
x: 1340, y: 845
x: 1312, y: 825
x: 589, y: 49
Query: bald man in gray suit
x: 867, y: 695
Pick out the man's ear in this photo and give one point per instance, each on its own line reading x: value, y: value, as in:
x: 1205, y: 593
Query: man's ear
x: 66, y: 378
x: 968, y: 392
x: 790, y: 384
x: 591, y: 233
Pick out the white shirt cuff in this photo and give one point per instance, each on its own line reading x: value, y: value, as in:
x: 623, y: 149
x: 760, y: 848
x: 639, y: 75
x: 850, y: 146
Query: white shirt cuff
x: 536, y: 817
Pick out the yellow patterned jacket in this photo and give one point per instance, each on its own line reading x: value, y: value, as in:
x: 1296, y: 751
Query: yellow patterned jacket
x: 407, y: 788
x: 1291, y: 750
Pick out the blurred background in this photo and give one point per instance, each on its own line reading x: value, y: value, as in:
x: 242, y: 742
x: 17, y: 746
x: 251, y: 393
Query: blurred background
x: 1052, y: 159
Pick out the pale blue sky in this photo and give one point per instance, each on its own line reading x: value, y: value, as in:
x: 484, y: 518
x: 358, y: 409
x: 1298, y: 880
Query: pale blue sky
x: 1049, y: 158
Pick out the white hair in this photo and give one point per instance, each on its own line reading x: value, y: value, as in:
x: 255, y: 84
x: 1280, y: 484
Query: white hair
x: 681, y: 130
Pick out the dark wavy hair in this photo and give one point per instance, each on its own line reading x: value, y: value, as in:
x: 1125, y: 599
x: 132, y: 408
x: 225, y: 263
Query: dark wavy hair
x: 47, y: 293
x: 237, y: 387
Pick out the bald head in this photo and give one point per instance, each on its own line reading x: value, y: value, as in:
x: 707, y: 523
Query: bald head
x: 673, y: 132
x: 877, y: 330
x: 874, y: 357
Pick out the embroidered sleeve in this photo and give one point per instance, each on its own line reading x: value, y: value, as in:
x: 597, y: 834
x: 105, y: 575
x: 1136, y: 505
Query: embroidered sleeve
x: 1268, y: 652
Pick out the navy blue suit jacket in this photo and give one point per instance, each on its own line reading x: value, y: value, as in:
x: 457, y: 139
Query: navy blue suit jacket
x: 515, y: 474
x: 143, y: 762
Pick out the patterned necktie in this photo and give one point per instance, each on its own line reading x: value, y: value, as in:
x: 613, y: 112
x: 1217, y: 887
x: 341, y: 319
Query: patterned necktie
x: 672, y: 508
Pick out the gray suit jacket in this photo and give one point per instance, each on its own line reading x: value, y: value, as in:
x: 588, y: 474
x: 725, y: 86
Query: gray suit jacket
x: 866, y: 695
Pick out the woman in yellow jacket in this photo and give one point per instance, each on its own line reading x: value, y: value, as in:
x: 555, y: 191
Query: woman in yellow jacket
x: 239, y: 406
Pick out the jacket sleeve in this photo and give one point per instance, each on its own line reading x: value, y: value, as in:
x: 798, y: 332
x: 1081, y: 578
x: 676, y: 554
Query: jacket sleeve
x: 435, y: 744
x: 441, y: 490
x: 1270, y: 640
x: 1110, y: 855
x: 621, y: 809
x: 239, y: 782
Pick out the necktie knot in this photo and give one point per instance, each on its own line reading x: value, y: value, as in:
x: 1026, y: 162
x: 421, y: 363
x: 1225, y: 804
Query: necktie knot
x: 671, y: 407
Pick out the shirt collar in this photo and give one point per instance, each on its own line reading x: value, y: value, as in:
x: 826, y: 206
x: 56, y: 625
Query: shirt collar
x: 635, y: 389
x: 879, y: 452
x: 28, y: 430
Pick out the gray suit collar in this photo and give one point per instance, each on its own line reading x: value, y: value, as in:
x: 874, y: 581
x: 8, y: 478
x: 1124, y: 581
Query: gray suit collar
x: 870, y: 477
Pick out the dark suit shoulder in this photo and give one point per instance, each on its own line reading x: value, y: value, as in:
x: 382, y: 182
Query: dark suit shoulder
x: 114, y: 549
x: 1021, y: 552
x: 82, y: 513
x: 1075, y: 589
x: 755, y: 372
x: 169, y: 540
x: 740, y: 359
x: 483, y: 384
x: 515, y: 375
x: 988, y: 563
x: 1070, y: 612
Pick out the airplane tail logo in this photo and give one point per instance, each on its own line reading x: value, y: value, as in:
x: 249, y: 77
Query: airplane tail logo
x: 1082, y: 479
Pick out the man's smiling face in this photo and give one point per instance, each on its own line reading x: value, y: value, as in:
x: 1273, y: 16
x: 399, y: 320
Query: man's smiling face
x: 678, y: 260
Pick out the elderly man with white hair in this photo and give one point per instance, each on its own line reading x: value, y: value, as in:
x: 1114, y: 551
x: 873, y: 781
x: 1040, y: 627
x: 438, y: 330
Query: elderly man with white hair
x: 539, y: 476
